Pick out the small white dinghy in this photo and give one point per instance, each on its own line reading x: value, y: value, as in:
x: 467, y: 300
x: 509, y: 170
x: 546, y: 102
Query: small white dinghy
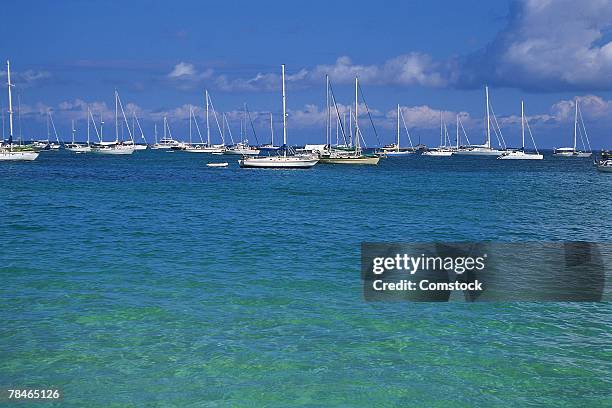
x: 224, y: 164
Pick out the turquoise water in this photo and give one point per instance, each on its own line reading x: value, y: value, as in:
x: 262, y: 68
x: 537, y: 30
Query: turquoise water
x: 155, y: 281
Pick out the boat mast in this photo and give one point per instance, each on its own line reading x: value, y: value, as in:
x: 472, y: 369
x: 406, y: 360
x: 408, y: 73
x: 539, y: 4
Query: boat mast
x: 73, y: 131
x: 328, y: 117
x: 350, y: 126
x: 523, y: 125
x: 441, y: 130
x: 457, y: 135
x: 575, y: 124
x: 155, y: 130
x: 116, y: 117
x: 88, y: 114
x: 284, y: 113
x: 356, y: 115
x: 190, y: 117
x: 207, y: 123
x: 398, y: 126
x: 488, y: 119
x: 272, y: 129
x: 10, y: 98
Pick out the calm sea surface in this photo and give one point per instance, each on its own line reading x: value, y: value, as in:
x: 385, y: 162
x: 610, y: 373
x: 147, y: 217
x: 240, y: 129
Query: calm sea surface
x: 152, y: 280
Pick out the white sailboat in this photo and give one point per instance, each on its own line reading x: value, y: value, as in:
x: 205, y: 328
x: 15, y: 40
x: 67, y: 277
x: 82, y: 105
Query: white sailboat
x: 394, y: 149
x: 483, y: 149
x: 8, y: 151
x: 288, y: 159
x: 352, y: 155
x: 116, y: 147
x: 78, y: 147
x: 522, y: 154
x: 205, y: 147
x: 270, y: 146
x: 132, y: 143
x: 166, y: 142
x: 572, y: 151
x: 242, y: 148
x: 443, y: 150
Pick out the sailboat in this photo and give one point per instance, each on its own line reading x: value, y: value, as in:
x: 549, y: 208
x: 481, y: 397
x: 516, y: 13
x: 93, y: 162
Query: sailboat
x: 443, y: 150
x: 522, y: 154
x: 166, y: 142
x: 116, y: 147
x: 7, y: 151
x: 76, y: 147
x: 483, y: 149
x: 47, y: 144
x: 572, y: 151
x: 243, y: 148
x: 205, y: 147
x: 132, y: 142
x: 288, y: 159
x: 270, y: 146
x: 355, y: 155
x: 394, y: 149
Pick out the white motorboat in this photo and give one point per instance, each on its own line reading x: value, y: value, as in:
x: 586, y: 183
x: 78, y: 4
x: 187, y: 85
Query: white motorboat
x: 284, y: 161
x: 521, y: 154
x: 605, y: 166
x: 224, y: 164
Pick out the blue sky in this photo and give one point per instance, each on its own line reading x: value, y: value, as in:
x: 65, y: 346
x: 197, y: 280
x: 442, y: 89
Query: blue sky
x: 425, y: 55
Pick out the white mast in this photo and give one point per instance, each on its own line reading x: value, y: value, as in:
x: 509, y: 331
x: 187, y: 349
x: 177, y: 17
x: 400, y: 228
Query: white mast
x: 328, y: 118
x: 88, y: 114
x: 350, y: 141
x: 441, y: 129
x: 207, y: 124
x: 523, y: 125
x: 155, y: 130
x: 73, y: 131
x: 165, y: 122
x: 284, y: 113
x: 101, y: 127
x: 398, y: 125
x: 575, y: 124
x: 356, y: 114
x: 457, y: 135
x: 488, y: 119
x: 116, y: 117
x: 10, y: 98
x: 190, y: 116
x: 272, y: 128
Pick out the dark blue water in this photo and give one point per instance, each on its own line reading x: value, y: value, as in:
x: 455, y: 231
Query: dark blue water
x: 152, y: 280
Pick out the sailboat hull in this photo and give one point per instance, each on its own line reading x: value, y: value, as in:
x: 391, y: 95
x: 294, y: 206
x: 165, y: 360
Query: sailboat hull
x: 79, y: 149
x: 115, y: 151
x: 359, y: 160
x: 436, y: 153
x: 521, y: 156
x: 18, y: 155
x: 478, y: 152
x: 277, y: 162
x: 572, y: 154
